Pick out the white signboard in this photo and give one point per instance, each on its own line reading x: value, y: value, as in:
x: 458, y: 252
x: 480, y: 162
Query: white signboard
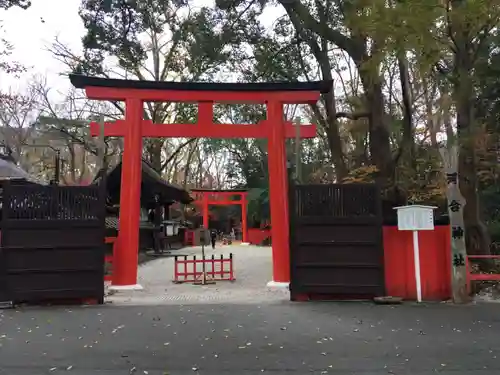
x: 415, y: 217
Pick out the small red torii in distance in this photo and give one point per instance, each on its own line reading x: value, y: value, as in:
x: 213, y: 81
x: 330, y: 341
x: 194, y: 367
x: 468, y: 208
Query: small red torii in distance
x: 134, y: 128
x: 208, y: 197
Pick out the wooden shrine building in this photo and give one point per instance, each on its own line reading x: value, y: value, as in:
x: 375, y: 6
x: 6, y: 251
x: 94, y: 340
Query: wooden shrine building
x: 155, y: 199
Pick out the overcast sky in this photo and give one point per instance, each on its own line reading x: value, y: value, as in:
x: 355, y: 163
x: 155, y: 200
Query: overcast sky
x: 30, y: 31
x: 33, y: 29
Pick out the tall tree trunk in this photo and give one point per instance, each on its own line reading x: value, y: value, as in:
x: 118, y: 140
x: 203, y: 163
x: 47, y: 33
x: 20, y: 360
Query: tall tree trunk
x: 355, y: 45
x: 477, y: 237
x: 187, y: 169
x: 155, y: 151
x: 333, y: 137
x: 446, y: 104
x: 331, y: 128
x: 331, y: 123
x: 408, y: 142
x: 433, y: 121
x: 379, y: 144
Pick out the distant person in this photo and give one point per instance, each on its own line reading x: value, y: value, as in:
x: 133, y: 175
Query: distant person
x: 213, y: 237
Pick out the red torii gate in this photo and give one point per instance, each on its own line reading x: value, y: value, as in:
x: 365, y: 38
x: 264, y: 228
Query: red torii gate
x: 207, y: 197
x: 133, y: 128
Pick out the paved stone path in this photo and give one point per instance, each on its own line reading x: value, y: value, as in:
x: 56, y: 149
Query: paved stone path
x: 242, y: 328
x: 249, y: 339
x: 252, y: 267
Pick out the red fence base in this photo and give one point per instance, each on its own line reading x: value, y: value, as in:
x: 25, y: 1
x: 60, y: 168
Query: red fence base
x: 256, y: 236
x: 435, y: 263
x: 472, y: 276
x: 191, y: 270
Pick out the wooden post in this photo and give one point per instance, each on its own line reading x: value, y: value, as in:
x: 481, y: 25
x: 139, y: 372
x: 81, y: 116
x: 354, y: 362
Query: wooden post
x: 456, y: 203
x: 244, y: 224
x: 101, y: 148
x: 205, y: 210
x: 298, y: 159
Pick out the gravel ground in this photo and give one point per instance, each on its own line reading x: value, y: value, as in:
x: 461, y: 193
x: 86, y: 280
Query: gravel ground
x: 253, y: 269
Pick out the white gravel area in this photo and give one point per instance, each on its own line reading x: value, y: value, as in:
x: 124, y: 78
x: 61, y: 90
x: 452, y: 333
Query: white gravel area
x: 252, y: 269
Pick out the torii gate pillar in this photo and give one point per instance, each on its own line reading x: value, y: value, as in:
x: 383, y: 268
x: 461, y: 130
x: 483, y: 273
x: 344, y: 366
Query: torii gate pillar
x: 278, y: 196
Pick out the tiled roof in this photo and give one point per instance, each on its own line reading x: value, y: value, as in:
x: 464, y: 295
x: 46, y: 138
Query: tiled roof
x: 11, y: 171
x: 152, y: 183
x: 113, y: 223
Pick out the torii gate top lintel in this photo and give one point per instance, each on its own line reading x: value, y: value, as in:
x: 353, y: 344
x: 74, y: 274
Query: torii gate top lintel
x: 122, y: 89
x: 219, y: 193
x: 205, y: 94
x: 219, y: 196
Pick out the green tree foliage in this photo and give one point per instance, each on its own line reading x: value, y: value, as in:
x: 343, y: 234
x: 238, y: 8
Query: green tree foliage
x: 487, y: 113
x: 406, y: 73
x: 120, y: 29
x: 6, y: 4
x: 487, y: 103
x: 439, y: 43
x: 156, y: 40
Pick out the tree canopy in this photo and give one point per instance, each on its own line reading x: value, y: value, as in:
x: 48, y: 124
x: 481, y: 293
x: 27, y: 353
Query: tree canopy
x: 409, y: 77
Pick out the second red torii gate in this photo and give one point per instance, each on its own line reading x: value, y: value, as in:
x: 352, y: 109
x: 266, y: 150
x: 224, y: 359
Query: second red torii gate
x: 134, y: 128
x: 208, y: 197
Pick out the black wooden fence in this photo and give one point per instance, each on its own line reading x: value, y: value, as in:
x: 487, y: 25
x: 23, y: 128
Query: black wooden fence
x: 336, y: 241
x: 52, y: 243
